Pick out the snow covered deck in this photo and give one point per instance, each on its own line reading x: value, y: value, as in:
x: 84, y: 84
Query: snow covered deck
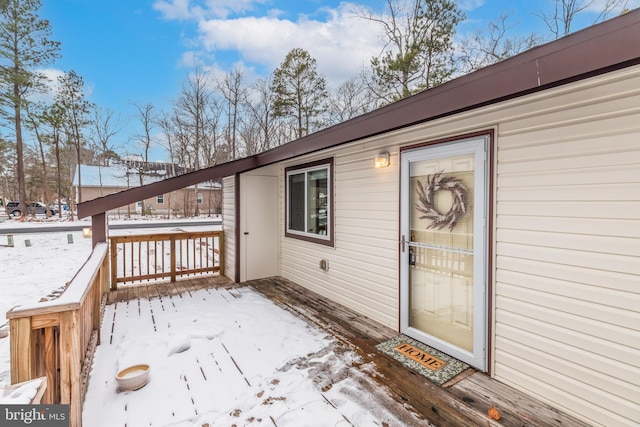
x: 272, y: 353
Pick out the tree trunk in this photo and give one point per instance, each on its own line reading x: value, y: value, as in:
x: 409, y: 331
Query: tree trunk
x: 22, y: 189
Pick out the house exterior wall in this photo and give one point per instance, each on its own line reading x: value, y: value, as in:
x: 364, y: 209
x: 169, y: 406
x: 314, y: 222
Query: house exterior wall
x: 567, y: 288
x: 229, y: 226
x: 566, y: 235
x: 174, y: 201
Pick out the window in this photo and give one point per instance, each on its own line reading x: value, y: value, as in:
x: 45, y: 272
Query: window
x: 199, y: 198
x: 309, y: 202
x: 160, y: 199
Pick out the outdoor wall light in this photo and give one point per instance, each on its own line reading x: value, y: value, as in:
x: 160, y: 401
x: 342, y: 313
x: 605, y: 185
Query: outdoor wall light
x: 381, y: 160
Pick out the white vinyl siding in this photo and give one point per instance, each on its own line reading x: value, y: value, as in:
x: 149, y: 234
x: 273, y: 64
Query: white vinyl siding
x: 566, y: 230
x: 228, y: 225
x: 363, y: 262
x: 567, y: 297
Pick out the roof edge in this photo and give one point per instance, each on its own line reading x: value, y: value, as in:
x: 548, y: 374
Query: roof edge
x: 602, y: 48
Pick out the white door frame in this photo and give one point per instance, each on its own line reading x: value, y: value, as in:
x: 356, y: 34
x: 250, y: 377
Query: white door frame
x: 478, y: 146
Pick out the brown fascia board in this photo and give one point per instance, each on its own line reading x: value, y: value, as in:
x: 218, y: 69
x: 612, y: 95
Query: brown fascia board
x: 611, y: 45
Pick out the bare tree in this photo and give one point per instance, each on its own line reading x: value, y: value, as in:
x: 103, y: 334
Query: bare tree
x: 494, y: 45
x: 258, y: 130
x: 560, y: 18
x: 351, y: 99
x: 193, y: 122
x: 106, y: 125
x: 235, y: 96
x: 147, y: 118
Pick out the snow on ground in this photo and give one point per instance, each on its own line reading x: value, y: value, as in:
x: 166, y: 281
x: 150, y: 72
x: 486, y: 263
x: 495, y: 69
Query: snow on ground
x: 222, y: 358
x: 41, y: 270
x: 215, y: 361
x: 29, y: 273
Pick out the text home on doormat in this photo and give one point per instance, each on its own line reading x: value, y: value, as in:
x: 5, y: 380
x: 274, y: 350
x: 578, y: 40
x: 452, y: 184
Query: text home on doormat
x: 422, y: 357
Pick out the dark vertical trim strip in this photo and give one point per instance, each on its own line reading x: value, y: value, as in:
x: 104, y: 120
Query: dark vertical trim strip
x: 99, y: 231
x: 236, y: 188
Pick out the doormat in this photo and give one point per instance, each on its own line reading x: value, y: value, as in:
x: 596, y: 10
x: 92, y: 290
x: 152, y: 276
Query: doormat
x: 425, y: 360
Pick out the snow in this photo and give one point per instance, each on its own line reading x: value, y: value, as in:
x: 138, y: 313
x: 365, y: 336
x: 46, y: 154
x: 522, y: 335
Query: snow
x: 20, y: 394
x: 217, y: 357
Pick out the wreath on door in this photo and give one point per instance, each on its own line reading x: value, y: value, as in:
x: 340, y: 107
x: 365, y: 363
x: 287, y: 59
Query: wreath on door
x: 426, y: 204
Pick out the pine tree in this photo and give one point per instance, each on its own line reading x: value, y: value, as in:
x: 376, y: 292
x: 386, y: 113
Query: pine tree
x: 419, y: 47
x: 25, y: 47
x: 300, y: 92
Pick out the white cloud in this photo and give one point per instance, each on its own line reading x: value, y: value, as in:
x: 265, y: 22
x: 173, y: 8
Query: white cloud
x: 341, y: 43
x: 179, y: 10
x: 51, y: 86
x: 190, y: 9
x: 470, y: 4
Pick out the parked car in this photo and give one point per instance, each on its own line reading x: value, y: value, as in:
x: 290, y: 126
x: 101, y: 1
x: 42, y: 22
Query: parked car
x: 13, y: 209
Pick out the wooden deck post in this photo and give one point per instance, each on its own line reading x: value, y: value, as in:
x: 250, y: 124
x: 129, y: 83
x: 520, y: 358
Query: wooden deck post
x: 99, y: 230
x: 71, y: 356
x: 114, y: 265
x: 221, y: 253
x: 173, y: 258
x: 21, y: 350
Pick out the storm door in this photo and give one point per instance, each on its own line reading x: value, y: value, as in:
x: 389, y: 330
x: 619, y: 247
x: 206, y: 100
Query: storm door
x: 444, y: 248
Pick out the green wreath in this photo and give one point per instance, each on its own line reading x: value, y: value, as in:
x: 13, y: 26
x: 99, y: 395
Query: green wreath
x: 435, y: 183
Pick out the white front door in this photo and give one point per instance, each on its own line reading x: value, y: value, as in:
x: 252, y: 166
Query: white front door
x: 444, y: 248
x: 259, y: 242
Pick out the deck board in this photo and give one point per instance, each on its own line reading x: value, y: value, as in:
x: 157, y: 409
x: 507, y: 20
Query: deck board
x: 465, y: 402
x: 461, y: 402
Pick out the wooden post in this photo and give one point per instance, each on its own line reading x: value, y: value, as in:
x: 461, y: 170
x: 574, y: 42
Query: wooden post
x: 173, y: 258
x: 51, y: 365
x: 114, y: 264
x: 99, y: 230
x: 71, y: 355
x: 221, y: 252
x: 21, y: 350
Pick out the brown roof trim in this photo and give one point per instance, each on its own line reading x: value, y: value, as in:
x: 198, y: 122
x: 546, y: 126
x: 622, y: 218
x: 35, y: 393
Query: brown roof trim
x: 611, y: 45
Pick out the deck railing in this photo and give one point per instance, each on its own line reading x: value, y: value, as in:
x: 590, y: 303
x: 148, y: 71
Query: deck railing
x: 145, y: 258
x: 56, y: 339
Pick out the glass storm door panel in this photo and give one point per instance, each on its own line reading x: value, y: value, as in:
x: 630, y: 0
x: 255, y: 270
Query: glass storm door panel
x: 443, y: 248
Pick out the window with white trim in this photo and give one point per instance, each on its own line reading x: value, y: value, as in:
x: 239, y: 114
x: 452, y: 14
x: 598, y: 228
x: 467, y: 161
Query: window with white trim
x: 199, y: 198
x: 160, y: 199
x: 309, y: 202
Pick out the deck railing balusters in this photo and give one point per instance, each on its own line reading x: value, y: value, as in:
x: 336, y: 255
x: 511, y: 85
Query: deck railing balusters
x: 184, y: 257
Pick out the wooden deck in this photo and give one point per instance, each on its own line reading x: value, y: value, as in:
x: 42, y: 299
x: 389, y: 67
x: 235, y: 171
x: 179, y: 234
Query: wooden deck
x: 464, y: 401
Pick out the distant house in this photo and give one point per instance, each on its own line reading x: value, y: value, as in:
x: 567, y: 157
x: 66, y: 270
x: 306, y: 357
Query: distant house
x: 98, y: 181
x: 495, y: 217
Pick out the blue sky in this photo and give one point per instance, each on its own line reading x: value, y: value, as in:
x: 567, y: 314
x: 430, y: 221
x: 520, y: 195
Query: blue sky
x: 141, y: 51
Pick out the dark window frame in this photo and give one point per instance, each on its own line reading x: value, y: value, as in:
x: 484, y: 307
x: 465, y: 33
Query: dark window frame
x: 328, y: 239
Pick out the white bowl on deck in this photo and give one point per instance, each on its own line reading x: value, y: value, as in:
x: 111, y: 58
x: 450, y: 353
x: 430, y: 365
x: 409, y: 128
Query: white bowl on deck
x: 133, y: 377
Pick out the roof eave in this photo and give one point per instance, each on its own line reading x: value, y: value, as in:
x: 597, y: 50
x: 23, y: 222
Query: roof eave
x: 602, y: 48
